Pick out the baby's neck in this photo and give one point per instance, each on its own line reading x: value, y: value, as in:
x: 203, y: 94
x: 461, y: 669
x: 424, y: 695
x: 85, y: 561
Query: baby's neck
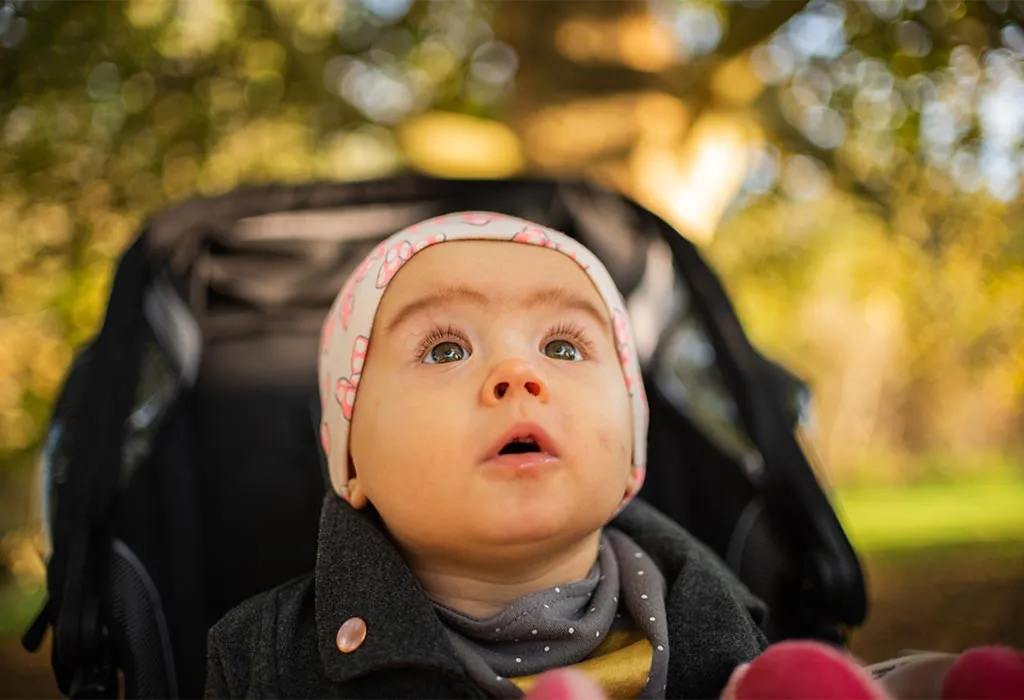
x: 485, y: 591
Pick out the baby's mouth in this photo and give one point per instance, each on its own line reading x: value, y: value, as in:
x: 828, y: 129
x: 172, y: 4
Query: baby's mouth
x: 520, y: 446
x: 523, y: 439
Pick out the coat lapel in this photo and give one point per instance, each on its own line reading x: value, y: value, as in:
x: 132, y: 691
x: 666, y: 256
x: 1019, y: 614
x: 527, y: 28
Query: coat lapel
x: 713, y: 619
x: 360, y: 573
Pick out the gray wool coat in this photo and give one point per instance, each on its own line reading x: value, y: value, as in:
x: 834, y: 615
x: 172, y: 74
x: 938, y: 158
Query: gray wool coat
x: 282, y: 643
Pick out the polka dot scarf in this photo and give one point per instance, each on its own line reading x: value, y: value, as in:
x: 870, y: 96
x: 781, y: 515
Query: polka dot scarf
x: 564, y: 625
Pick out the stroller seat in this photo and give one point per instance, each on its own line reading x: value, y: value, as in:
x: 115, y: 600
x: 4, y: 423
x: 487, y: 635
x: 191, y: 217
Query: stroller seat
x: 183, y: 471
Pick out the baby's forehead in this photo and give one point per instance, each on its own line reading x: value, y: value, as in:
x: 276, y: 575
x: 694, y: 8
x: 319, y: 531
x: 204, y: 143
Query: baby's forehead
x: 492, y: 275
x: 494, y: 271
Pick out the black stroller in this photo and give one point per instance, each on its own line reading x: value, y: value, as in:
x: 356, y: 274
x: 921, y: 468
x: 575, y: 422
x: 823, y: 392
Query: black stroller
x: 183, y: 470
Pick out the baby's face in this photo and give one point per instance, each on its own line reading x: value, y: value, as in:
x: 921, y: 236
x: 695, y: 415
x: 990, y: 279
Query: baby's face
x: 476, y: 342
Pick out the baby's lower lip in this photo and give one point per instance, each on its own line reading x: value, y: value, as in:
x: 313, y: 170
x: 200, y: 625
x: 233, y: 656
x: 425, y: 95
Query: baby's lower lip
x: 524, y: 463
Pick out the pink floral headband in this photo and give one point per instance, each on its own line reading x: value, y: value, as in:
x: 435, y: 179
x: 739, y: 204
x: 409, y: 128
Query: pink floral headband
x: 345, y: 338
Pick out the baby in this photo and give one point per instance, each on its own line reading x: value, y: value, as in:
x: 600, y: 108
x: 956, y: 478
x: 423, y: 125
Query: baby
x: 485, y: 425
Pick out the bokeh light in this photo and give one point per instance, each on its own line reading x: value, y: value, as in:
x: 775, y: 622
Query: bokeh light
x: 852, y: 169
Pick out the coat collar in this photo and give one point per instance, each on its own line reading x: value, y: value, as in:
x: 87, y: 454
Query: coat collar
x: 714, y: 622
x: 360, y: 573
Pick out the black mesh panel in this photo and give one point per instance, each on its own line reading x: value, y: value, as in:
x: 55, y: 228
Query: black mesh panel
x: 140, y: 628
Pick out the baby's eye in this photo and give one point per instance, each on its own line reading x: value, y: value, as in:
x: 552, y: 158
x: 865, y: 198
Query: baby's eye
x: 562, y: 350
x: 445, y: 352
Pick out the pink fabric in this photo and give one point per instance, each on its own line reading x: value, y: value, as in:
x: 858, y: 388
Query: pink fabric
x: 345, y: 338
x: 986, y: 673
x: 802, y: 670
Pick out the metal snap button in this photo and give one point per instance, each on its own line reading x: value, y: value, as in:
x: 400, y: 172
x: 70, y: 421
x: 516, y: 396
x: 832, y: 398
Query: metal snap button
x: 351, y: 635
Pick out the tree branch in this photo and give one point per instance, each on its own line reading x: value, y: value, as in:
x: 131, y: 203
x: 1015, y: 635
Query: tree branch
x: 749, y: 26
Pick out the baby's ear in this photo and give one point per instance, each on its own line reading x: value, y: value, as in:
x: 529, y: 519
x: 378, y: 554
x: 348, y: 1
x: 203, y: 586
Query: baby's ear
x: 354, y: 493
x: 356, y: 496
x: 634, y: 481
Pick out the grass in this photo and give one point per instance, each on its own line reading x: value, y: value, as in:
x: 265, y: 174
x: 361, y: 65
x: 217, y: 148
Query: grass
x: 17, y: 608
x: 935, y: 515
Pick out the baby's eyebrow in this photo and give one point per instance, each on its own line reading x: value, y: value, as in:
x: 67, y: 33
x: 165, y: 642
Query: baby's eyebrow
x: 560, y: 296
x: 555, y: 296
x: 444, y: 295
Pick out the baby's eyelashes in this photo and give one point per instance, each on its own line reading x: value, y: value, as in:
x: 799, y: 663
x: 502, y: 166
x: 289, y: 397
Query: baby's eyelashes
x: 447, y: 344
x: 568, y: 341
x: 443, y: 345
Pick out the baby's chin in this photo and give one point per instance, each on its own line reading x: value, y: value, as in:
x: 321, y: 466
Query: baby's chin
x: 516, y: 519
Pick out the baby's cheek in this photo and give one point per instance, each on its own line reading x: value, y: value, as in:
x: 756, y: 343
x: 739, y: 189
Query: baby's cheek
x: 611, y: 442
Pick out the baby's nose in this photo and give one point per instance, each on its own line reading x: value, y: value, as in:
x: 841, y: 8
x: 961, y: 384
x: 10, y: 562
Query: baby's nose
x: 513, y: 377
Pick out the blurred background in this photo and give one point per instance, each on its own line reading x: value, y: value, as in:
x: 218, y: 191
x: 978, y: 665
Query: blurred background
x: 852, y: 170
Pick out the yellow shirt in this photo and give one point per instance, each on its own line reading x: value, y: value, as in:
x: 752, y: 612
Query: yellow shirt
x: 620, y: 665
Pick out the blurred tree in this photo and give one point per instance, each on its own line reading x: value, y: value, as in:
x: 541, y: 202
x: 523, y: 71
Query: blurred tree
x: 109, y: 110
x: 853, y: 168
x: 918, y: 110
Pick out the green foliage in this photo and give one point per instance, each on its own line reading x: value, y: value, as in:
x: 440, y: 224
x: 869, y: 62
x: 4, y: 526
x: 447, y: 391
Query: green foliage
x: 111, y: 110
x: 925, y: 517
x: 17, y: 606
x: 876, y: 246
x: 910, y: 349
